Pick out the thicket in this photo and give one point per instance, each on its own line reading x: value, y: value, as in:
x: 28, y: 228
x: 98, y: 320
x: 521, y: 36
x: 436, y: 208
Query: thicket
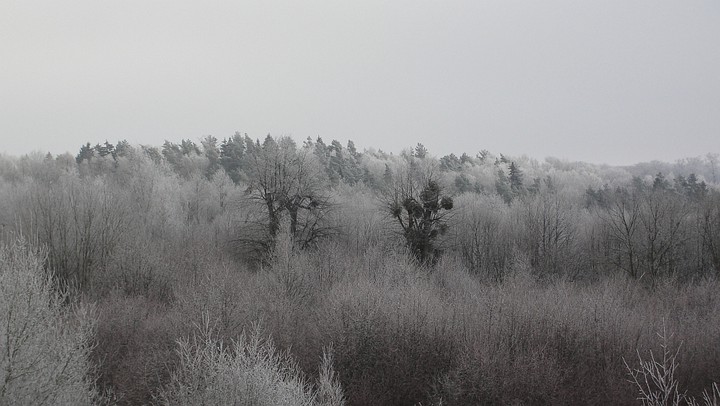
x: 45, y: 346
x: 459, y: 280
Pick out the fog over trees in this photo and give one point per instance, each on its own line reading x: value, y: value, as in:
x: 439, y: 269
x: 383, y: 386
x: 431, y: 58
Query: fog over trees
x: 260, y: 271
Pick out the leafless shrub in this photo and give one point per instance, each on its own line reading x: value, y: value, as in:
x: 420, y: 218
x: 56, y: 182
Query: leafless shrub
x: 248, y: 372
x: 711, y: 398
x: 392, y: 333
x: 656, y: 379
x: 45, y: 346
x: 329, y: 391
x: 135, y: 350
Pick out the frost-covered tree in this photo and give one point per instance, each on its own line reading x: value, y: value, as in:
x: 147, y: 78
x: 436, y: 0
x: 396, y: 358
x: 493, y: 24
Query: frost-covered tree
x: 232, y: 151
x: 516, y: 180
x: 44, y: 357
x: 212, y: 153
x: 287, y: 181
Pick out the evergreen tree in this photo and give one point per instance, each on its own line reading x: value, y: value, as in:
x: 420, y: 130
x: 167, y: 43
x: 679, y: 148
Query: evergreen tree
x: 231, y: 156
x: 336, y: 162
x: 308, y: 143
x: 86, y: 153
x: 502, y: 186
x: 189, y: 148
x: 462, y: 183
x: 105, y: 149
x: 172, y: 153
x: 420, y: 151
x: 123, y: 148
x: 212, y: 153
x: 694, y: 189
x: 153, y: 153
x: 353, y: 167
x: 269, y: 142
x: 450, y: 163
x: 483, y: 155
x: 320, y: 151
x: 516, y: 180
x: 353, y: 151
x: 680, y: 184
x: 388, y: 176
x: 660, y: 183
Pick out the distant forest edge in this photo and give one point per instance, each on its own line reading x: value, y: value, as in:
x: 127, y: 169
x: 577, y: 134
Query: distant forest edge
x: 351, y: 166
x: 264, y: 272
x: 647, y: 219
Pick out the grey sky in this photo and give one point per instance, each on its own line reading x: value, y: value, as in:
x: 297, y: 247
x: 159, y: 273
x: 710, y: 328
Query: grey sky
x: 616, y: 81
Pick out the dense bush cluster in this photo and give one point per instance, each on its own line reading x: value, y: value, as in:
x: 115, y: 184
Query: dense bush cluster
x: 45, y: 345
x: 275, y: 273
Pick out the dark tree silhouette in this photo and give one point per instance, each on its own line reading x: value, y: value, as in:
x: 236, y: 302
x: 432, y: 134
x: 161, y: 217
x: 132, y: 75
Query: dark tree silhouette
x: 420, y: 151
x: 287, y: 181
x: 420, y: 209
x: 86, y: 153
x: 232, y: 151
x: 516, y: 180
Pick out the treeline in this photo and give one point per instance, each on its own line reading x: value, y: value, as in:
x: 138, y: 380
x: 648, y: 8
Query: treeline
x: 466, y: 280
x: 645, y: 227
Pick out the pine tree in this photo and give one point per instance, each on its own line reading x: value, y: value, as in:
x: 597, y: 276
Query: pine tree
x: 516, y: 180
x: 420, y: 151
x: 450, y: 163
x: 123, y: 148
x: 502, y: 186
x: 388, y: 176
x: 660, y: 183
x: 212, y: 153
x: 86, y: 153
x: 231, y: 155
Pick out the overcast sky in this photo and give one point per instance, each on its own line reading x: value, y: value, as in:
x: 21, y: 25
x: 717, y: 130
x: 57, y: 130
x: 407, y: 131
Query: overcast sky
x: 611, y: 81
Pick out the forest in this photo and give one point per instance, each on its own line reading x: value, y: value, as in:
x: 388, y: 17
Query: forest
x: 261, y: 271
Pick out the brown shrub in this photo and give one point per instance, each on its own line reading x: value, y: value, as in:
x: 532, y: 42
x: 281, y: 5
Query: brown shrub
x: 135, y: 347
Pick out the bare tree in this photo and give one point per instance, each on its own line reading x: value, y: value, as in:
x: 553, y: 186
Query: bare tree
x: 710, y: 220
x: 481, y: 233
x: 662, y: 217
x: 621, y: 217
x: 646, y: 231
x: 551, y: 234
x: 288, y: 182
x: 80, y: 221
